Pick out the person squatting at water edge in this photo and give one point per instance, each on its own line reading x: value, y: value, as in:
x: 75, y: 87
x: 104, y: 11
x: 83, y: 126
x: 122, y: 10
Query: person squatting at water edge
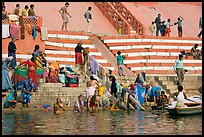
x: 90, y: 92
x: 10, y: 101
x: 27, y: 91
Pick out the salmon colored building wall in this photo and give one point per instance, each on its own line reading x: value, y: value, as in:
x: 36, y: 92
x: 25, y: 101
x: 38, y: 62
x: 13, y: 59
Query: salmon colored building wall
x: 24, y: 46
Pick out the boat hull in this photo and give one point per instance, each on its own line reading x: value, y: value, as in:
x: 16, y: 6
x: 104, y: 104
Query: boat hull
x: 185, y: 111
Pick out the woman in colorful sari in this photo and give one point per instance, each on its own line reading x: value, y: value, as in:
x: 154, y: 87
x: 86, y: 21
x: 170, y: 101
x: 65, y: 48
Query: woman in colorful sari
x: 31, y: 70
x: 6, y: 79
x: 10, y: 101
x: 139, y: 92
x: 27, y: 91
x: 58, y: 106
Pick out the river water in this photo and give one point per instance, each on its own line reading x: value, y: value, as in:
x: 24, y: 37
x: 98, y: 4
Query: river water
x: 99, y: 123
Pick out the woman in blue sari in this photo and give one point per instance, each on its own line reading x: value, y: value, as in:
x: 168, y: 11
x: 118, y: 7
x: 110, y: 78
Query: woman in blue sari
x: 139, y: 92
x: 6, y: 79
x: 27, y: 91
x: 10, y: 101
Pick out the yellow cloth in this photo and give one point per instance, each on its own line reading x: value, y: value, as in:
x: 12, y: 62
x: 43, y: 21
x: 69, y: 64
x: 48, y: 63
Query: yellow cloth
x: 101, y: 90
x: 54, y: 65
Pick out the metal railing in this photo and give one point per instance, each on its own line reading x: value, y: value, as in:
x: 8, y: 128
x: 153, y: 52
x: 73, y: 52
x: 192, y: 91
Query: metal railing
x: 113, y: 16
x: 114, y: 11
x: 127, y: 15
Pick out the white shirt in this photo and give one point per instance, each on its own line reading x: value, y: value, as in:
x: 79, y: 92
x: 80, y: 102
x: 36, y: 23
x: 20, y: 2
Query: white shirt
x: 180, y: 97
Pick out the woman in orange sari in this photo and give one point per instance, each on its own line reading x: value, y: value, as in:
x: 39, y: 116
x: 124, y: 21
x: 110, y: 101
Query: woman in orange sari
x: 31, y: 70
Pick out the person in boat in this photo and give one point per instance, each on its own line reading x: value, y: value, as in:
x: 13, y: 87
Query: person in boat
x: 79, y: 104
x: 10, y: 101
x: 180, y: 97
x: 58, y: 106
x: 90, y: 92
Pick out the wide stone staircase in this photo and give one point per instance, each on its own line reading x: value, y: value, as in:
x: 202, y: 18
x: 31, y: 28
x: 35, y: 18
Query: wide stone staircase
x: 48, y: 92
x: 192, y: 84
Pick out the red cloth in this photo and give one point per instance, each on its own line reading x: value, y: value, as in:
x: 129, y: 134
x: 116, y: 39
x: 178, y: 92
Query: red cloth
x: 32, y: 73
x: 168, y: 30
x: 78, y: 58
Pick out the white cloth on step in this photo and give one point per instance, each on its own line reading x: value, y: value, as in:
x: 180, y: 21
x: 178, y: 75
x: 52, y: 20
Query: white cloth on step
x: 44, y: 33
x: 5, y: 30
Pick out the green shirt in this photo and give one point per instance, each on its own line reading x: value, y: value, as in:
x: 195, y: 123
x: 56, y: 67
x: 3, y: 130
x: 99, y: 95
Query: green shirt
x: 24, y: 12
x: 179, y: 23
x: 178, y: 64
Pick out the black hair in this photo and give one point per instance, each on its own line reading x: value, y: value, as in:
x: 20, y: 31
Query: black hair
x: 89, y: 8
x: 37, y: 47
x: 152, y: 22
x: 26, y: 7
x: 79, y: 96
x: 159, y: 14
x: 180, y: 88
x: 119, y: 52
x: 31, y: 5
x: 180, y: 56
x: 67, y: 3
x: 17, y: 5
x: 196, y: 45
x: 32, y: 59
x: 3, y: 6
x: 168, y: 20
x: 92, y: 78
x: 163, y: 92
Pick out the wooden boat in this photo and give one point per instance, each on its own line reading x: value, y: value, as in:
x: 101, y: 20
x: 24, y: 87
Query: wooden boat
x: 193, y: 106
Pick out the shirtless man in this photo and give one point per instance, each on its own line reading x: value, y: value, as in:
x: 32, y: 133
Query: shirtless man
x: 64, y: 13
x: 90, y: 91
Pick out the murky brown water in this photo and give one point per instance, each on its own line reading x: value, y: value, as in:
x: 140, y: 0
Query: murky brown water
x: 102, y: 122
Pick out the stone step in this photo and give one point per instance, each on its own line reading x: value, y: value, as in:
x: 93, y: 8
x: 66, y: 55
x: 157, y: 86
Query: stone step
x: 57, y: 89
x: 168, y: 82
x: 187, y: 78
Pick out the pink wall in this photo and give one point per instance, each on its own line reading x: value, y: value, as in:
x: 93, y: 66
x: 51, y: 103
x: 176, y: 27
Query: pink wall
x: 147, y: 12
x: 53, y: 20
